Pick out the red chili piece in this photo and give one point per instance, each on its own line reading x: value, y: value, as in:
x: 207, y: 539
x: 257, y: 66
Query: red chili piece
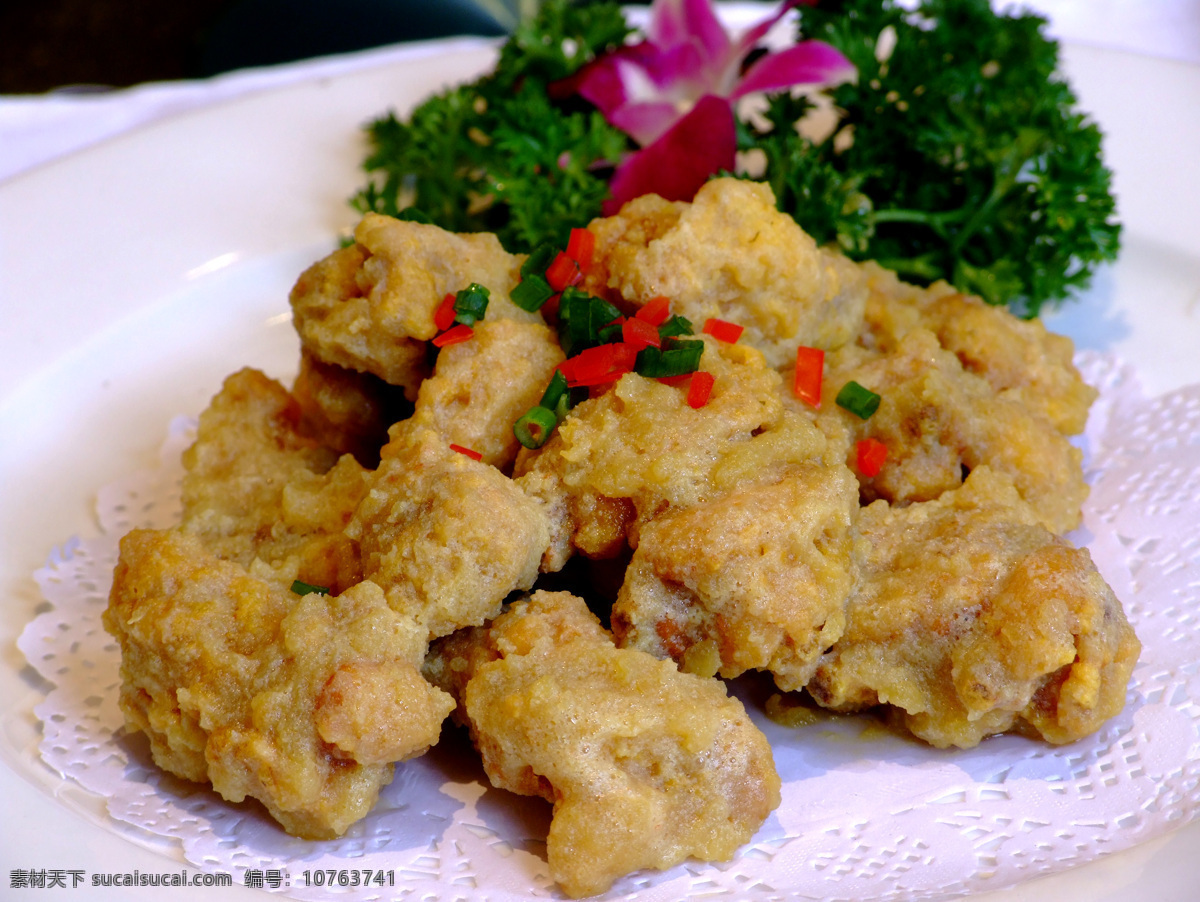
x: 640, y: 334
x: 453, y: 336
x: 810, y: 368
x: 655, y: 311
x: 443, y: 317
x: 722, y: 330
x: 601, y: 364
x: 870, y: 453
x: 470, y: 452
x: 580, y: 247
x: 563, y: 272
x: 700, y: 389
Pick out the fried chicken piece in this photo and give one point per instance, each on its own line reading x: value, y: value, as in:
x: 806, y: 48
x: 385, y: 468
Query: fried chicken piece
x: 301, y: 703
x: 370, y: 306
x: 645, y: 766
x: 732, y: 255
x: 1019, y: 358
x: 755, y: 579
x: 937, y: 419
x: 447, y: 537
x: 481, y: 387
x: 255, y: 486
x: 338, y: 324
x: 345, y: 410
x: 628, y: 455
x: 970, y: 618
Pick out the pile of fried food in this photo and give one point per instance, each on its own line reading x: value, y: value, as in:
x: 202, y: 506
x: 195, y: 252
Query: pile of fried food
x: 741, y: 533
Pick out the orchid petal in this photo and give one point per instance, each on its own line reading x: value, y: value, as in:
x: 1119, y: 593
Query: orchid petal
x: 675, y: 22
x: 633, y: 85
x: 809, y: 62
x: 749, y: 38
x: 699, y: 145
x: 604, y: 81
x: 645, y: 122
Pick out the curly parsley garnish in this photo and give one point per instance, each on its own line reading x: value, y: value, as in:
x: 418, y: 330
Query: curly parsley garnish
x: 959, y: 154
x: 967, y: 159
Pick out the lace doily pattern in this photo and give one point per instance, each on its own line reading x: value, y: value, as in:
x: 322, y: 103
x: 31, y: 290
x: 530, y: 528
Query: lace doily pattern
x: 866, y: 815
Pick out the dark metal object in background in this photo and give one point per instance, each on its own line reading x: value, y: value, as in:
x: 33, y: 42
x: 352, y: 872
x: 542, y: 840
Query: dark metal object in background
x: 50, y: 44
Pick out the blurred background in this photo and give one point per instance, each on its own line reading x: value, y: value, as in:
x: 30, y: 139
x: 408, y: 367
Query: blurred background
x: 49, y: 44
x: 52, y: 44
x: 46, y: 45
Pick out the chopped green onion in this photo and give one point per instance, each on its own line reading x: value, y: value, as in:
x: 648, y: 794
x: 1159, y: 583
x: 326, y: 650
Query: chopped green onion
x: 532, y: 292
x: 303, y: 588
x: 566, y: 401
x: 471, y: 304
x: 676, y: 358
x: 676, y: 325
x: 610, y: 333
x: 862, y: 402
x: 413, y: 214
x: 535, y: 427
x: 556, y: 390
x: 583, y: 316
x: 537, y: 262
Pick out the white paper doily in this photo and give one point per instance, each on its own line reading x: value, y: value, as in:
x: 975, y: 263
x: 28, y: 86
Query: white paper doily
x: 866, y: 816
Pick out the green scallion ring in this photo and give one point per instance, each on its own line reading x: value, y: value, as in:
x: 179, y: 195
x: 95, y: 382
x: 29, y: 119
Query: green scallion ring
x: 535, y: 427
x: 303, y: 588
x: 471, y: 303
x: 862, y: 402
x: 554, y: 391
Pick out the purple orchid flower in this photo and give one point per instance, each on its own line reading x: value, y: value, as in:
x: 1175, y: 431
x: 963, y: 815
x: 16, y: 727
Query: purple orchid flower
x: 673, y: 93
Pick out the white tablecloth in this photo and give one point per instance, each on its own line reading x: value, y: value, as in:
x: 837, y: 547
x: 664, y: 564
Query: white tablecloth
x: 35, y: 129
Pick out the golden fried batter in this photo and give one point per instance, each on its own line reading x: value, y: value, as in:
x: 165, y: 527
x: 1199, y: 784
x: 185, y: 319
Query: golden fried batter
x: 301, y: 703
x: 1019, y: 358
x: 256, y: 487
x: 645, y: 766
x: 370, y: 307
x: 345, y: 410
x: 951, y: 600
x: 732, y: 255
x: 937, y: 419
x: 623, y: 458
x: 970, y: 618
x: 447, y: 537
x: 333, y: 316
x: 480, y: 387
x: 755, y: 579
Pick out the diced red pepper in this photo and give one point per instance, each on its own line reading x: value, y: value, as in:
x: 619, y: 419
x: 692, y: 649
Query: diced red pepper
x: 453, y: 336
x: 870, y: 453
x: 580, y: 247
x: 700, y: 389
x: 469, y: 452
x: 722, y: 330
x: 568, y: 367
x: 443, y: 317
x: 563, y: 272
x: 655, y: 311
x: 810, y: 368
x: 604, y: 363
x: 640, y: 334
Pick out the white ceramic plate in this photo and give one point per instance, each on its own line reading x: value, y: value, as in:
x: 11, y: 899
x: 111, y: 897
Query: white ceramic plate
x: 135, y: 276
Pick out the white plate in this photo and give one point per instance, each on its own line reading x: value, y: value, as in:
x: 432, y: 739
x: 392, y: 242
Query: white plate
x: 134, y: 276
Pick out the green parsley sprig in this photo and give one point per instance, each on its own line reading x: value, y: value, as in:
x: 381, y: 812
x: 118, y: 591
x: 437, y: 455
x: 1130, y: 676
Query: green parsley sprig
x: 960, y: 153
x: 499, y: 154
x: 967, y: 159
